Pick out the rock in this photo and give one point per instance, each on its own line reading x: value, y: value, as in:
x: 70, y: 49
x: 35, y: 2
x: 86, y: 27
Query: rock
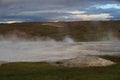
x: 84, y: 61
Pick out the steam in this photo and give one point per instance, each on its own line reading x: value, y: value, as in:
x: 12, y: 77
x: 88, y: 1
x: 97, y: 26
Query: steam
x: 14, y: 49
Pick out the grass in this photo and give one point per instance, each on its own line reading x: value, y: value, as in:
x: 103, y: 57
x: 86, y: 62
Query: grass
x: 45, y: 71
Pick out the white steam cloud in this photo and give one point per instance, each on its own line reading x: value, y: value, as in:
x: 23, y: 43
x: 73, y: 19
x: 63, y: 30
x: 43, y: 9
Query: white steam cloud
x: 14, y: 49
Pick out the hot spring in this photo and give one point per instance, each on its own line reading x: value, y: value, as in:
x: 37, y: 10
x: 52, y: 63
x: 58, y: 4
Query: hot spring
x: 15, y: 50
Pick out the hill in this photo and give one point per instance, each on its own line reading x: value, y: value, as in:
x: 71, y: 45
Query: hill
x: 78, y: 30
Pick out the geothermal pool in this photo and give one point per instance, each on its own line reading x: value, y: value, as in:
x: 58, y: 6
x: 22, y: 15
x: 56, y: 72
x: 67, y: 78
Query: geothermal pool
x: 51, y: 50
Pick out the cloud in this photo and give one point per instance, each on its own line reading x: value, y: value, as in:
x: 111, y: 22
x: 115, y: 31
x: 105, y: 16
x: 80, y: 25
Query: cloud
x: 108, y: 6
x: 84, y: 16
x: 11, y: 22
x: 55, y: 11
x: 66, y: 15
x: 49, y: 10
x: 102, y: 16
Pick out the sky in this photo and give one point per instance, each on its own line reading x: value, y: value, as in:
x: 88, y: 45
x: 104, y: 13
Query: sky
x: 58, y: 10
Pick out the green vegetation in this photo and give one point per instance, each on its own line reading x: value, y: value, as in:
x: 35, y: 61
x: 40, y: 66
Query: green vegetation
x: 45, y: 71
x: 79, y: 31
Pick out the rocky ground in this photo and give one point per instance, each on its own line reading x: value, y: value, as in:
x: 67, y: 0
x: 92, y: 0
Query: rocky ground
x: 80, y: 62
x: 84, y: 61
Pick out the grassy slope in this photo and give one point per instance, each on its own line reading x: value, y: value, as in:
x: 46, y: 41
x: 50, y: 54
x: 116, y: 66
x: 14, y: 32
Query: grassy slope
x: 80, y: 31
x: 44, y: 71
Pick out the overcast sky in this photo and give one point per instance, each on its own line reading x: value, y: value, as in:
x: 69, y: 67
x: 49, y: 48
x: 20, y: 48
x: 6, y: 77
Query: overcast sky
x: 59, y: 10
